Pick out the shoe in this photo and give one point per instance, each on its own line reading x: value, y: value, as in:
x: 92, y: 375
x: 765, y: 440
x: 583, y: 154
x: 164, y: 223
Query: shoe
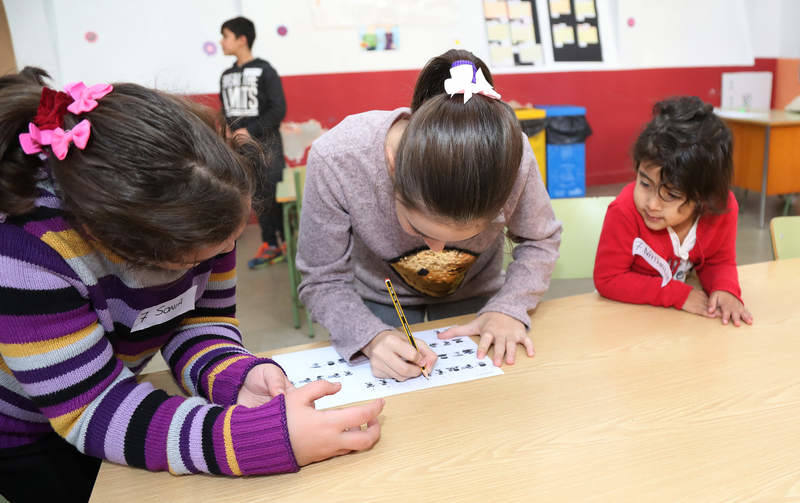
x: 267, y: 255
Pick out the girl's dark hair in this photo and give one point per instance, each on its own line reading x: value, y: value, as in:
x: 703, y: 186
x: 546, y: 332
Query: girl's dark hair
x: 694, y: 149
x: 155, y: 181
x: 457, y: 160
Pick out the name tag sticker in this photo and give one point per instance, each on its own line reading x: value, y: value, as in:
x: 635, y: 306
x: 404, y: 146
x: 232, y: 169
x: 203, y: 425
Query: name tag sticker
x: 165, y: 311
x: 654, y: 259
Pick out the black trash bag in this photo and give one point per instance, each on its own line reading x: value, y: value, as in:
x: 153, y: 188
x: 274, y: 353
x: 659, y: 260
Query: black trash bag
x: 532, y: 127
x: 567, y: 129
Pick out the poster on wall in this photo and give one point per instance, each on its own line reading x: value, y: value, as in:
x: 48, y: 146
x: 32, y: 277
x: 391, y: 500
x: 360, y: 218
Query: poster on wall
x: 512, y: 29
x: 575, y: 31
x: 378, y: 38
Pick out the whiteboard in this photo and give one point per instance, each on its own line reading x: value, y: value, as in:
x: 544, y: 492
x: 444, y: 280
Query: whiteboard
x: 680, y: 33
x: 333, y: 47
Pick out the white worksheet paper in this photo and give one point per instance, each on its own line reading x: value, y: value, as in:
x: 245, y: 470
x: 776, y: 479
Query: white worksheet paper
x: 457, y: 363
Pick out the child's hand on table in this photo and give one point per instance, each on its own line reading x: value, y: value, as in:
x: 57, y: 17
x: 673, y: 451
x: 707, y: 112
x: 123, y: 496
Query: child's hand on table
x: 495, y: 328
x: 263, y: 383
x: 697, y: 303
x: 320, y: 434
x: 391, y: 355
x: 730, y: 308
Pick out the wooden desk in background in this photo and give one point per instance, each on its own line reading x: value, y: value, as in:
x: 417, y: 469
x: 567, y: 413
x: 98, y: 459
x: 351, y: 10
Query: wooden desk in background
x: 621, y: 403
x: 766, y: 152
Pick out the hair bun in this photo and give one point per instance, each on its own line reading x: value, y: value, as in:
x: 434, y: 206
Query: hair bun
x: 682, y: 108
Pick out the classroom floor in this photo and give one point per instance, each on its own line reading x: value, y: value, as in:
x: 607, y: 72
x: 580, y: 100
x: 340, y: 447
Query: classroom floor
x: 264, y: 305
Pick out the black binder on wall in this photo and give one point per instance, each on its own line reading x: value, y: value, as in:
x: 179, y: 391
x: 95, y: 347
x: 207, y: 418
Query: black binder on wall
x: 574, y: 30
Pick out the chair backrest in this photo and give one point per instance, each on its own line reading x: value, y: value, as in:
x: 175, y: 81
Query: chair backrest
x: 299, y: 185
x: 582, y: 220
x: 785, y: 233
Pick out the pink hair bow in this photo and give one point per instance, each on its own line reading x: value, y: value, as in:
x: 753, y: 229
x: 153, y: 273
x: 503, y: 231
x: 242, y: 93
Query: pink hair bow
x: 465, y: 80
x: 85, y: 97
x: 60, y: 140
x: 33, y: 140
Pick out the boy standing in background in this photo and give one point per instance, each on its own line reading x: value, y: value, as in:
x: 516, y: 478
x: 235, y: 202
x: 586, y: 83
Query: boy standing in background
x: 253, y: 104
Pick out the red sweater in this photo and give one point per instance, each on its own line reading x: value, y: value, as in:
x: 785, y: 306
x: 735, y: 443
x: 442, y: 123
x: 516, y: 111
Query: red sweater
x: 641, y: 271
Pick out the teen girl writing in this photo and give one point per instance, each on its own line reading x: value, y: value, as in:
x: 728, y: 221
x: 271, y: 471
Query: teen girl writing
x: 423, y: 196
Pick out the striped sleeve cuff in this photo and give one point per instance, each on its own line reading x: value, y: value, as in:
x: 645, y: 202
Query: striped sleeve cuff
x: 260, y: 438
x: 227, y: 377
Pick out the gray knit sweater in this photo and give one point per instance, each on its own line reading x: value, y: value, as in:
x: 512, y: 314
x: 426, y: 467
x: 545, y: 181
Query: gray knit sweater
x: 350, y: 240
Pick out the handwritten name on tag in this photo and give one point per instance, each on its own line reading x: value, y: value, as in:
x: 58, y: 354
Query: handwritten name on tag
x: 654, y: 259
x: 165, y: 311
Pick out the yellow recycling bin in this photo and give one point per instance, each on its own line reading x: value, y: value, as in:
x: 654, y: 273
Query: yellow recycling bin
x: 532, y: 122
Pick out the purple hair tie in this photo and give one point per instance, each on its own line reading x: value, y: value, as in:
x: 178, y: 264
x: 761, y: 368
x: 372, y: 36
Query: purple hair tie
x: 466, y: 62
x: 466, y: 79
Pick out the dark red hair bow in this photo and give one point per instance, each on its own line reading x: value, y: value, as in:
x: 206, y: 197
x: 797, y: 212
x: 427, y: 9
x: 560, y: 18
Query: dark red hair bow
x: 52, y: 107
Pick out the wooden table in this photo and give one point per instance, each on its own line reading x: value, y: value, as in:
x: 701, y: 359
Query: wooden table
x: 621, y: 403
x: 766, y: 149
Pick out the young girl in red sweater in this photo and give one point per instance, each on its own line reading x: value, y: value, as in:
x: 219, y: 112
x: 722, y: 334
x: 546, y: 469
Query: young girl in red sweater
x: 678, y: 216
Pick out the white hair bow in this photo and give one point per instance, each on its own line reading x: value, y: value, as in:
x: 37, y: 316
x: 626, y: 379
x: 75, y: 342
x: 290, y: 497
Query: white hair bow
x: 465, y: 80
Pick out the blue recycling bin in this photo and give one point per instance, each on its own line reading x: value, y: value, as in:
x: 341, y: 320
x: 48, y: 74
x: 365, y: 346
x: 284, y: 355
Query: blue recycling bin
x: 567, y: 130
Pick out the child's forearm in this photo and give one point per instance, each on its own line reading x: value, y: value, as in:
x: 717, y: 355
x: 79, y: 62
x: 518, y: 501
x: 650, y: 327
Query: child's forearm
x: 636, y: 288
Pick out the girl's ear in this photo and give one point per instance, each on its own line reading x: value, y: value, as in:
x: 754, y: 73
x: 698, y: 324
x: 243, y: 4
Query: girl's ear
x: 390, y: 159
x: 392, y: 142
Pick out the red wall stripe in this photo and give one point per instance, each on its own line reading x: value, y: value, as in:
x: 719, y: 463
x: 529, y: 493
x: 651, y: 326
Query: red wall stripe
x: 618, y: 103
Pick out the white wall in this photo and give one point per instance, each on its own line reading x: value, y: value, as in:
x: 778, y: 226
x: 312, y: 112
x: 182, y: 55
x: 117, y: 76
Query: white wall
x: 155, y: 43
x: 789, y: 29
x: 764, y: 27
x: 774, y: 28
x: 679, y: 33
x: 160, y: 42
x: 32, y: 34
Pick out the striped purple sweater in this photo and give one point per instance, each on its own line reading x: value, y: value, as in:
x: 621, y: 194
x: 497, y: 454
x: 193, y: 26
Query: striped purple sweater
x: 69, y: 357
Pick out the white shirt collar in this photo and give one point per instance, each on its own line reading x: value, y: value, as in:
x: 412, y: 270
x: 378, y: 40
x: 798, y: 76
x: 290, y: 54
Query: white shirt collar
x: 682, y: 249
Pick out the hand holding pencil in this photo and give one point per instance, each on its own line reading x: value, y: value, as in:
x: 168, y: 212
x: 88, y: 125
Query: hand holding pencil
x: 403, y: 321
x: 392, y: 355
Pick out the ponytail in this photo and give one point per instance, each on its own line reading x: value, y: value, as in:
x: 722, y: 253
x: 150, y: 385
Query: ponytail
x: 19, y: 172
x: 154, y: 180
x: 431, y: 79
x: 458, y: 160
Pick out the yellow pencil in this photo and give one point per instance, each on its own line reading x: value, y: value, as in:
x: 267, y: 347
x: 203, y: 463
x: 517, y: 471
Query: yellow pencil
x: 403, y: 320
